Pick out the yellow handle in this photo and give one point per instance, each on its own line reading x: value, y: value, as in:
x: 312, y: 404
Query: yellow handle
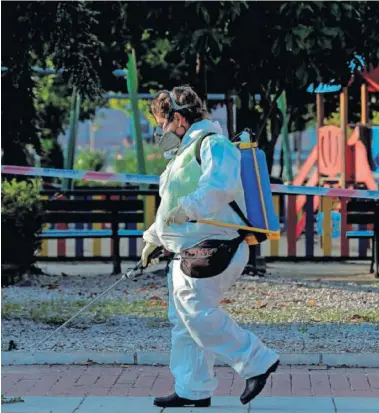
x: 225, y: 224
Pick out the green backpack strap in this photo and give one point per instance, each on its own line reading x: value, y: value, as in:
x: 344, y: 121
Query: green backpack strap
x: 198, y: 145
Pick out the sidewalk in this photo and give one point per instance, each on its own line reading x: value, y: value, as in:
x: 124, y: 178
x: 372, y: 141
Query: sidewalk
x: 219, y: 405
x: 130, y: 388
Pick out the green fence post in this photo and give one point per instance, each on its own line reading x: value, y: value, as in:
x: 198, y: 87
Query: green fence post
x: 71, y: 146
x: 132, y: 85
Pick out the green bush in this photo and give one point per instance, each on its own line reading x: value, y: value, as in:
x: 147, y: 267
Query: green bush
x: 51, y: 154
x: 21, y: 220
x: 88, y: 160
x: 155, y: 162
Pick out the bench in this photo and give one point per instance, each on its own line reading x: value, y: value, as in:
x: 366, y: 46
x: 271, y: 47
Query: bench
x: 90, y: 211
x: 364, y: 212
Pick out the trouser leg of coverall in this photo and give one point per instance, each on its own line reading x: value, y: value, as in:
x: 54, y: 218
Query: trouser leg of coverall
x: 197, y: 303
x: 190, y: 364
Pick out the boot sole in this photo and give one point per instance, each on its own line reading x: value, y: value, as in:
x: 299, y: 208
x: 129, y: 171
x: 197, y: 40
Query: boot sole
x: 272, y: 369
x: 201, y: 404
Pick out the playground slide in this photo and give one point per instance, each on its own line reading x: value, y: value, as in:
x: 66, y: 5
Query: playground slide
x: 306, y: 167
x: 300, y: 202
x: 362, y: 167
x: 363, y: 174
x: 299, y: 180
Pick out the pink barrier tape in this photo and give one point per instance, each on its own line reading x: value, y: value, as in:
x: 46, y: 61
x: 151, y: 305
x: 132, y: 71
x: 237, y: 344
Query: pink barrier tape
x: 154, y: 179
x: 83, y: 175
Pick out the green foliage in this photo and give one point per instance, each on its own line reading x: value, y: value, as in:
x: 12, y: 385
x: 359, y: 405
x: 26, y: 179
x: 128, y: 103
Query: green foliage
x: 154, y: 161
x: 124, y: 105
x: 21, y: 221
x: 63, y: 32
x: 51, y: 155
x: 91, y: 160
x: 335, y: 120
x: 88, y: 160
x: 242, y: 48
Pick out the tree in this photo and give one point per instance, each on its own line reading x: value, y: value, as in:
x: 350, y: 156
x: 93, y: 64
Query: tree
x: 35, y: 31
x: 249, y: 49
x: 260, y: 49
x: 291, y: 45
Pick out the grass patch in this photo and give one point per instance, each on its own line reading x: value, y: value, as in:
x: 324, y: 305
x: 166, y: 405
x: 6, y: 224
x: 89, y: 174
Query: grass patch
x: 304, y: 315
x: 57, y: 312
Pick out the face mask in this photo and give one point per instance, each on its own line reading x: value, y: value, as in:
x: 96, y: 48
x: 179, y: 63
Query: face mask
x: 169, y: 141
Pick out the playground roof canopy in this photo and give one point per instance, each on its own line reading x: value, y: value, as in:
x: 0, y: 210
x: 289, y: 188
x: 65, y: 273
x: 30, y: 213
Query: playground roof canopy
x: 371, y: 77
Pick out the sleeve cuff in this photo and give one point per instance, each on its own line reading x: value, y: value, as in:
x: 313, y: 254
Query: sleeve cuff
x: 151, y: 236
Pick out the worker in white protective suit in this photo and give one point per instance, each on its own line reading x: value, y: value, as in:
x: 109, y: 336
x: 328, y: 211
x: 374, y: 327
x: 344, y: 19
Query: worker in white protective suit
x: 208, y: 259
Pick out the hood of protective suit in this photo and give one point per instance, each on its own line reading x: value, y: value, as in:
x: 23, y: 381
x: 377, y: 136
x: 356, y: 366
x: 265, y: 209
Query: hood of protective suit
x: 194, y: 132
x: 198, y: 128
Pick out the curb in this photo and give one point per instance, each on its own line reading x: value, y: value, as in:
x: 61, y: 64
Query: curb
x: 163, y: 358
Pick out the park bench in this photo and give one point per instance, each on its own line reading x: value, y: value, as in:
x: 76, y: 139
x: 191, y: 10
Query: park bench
x: 102, y: 211
x: 365, y: 212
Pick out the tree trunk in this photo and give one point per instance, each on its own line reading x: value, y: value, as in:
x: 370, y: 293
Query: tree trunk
x: 243, y: 112
x: 229, y: 114
x: 201, y: 78
x: 281, y: 162
x: 276, y: 121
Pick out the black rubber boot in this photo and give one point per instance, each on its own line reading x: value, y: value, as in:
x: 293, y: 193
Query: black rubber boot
x: 255, y: 385
x: 173, y: 400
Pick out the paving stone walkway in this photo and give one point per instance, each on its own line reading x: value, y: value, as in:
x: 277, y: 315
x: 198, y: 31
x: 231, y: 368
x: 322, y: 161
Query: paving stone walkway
x: 149, y: 381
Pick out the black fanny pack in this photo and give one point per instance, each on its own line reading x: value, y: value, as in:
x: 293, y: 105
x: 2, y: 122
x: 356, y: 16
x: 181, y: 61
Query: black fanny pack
x: 208, y: 258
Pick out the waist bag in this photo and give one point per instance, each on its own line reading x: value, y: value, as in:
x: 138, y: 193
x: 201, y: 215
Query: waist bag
x: 208, y: 258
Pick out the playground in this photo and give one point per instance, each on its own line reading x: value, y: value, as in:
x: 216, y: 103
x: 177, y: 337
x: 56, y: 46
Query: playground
x: 85, y: 328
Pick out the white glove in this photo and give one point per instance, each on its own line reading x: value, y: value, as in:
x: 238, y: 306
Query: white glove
x: 176, y: 216
x: 147, y: 250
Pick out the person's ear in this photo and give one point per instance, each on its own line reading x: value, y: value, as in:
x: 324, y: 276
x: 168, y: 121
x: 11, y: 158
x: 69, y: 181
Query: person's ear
x: 178, y: 118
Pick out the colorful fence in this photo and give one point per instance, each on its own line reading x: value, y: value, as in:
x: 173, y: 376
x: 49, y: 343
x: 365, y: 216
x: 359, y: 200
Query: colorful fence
x: 324, y: 234
x: 98, y: 247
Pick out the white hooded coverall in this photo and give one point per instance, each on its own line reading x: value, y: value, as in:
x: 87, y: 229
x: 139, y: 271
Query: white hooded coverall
x: 202, y: 331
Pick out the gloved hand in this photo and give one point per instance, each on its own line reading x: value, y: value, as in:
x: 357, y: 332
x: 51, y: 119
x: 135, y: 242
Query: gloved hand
x: 176, y: 216
x: 147, y: 250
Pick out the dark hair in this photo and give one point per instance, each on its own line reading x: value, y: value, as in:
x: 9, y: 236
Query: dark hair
x: 183, y: 95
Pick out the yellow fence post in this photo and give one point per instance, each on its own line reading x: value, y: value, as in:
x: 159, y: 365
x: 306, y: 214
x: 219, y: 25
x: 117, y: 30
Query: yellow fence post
x: 149, y: 210
x: 45, y: 242
x: 274, y: 244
